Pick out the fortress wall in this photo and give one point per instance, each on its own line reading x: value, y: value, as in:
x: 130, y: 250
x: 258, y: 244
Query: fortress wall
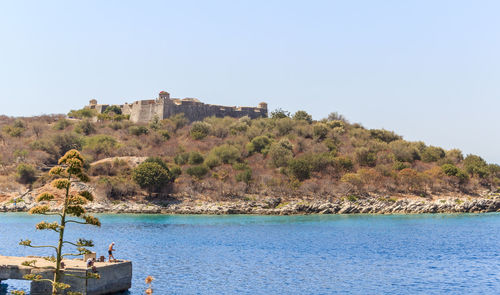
x: 144, y: 111
x: 195, y: 111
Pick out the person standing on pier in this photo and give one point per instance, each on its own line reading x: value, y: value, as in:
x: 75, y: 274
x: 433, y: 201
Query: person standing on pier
x: 110, y: 252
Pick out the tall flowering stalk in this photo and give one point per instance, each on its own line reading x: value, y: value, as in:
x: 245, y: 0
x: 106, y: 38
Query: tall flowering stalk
x: 70, y: 170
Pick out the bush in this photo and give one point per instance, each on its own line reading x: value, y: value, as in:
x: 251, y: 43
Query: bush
x: 62, y: 124
x: 455, y: 155
x: 280, y: 153
x: 226, y: 153
x: 113, y: 109
x: 197, y: 171
x: 200, y: 130
x: 67, y: 141
x: 343, y: 163
x: 164, y: 134
x: 279, y: 114
x: 365, y: 157
x: 81, y: 114
x: 138, y: 130
x: 432, y: 154
x: 353, y: 179
x: 212, y: 161
x: 117, y: 187
x: 151, y: 176
x: 384, y: 135
x: 26, y: 174
x: 318, y: 162
x: 284, y: 126
x: 100, y: 145
x: 449, y: 169
x: 476, y: 166
x: 181, y: 158
x: 336, y: 117
x: 398, y: 166
x: 259, y: 144
x: 302, y: 116
x: 176, y: 171
x: 300, y: 169
x: 404, y: 151
x: 244, y: 176
x: 320, y: 131
x: 195, y: 158
x: 85, y: 127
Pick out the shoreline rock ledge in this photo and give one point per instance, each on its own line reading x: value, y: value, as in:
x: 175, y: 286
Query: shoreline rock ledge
x: 275, y: 206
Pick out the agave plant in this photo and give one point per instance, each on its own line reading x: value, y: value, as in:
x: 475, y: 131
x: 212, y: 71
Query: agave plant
x: 70, y: 170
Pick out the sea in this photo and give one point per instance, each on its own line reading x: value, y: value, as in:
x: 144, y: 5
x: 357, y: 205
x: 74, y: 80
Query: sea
x: 307, y: 254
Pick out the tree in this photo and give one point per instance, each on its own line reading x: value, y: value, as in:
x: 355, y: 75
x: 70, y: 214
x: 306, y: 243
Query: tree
x: 152, y: 176
x: 279, y: 114
x: 113, y: 109
x: 280, y: 153
x: 302, y: 115
x: 476, y: 166
x: 26, y: 174
x: 69, y: 171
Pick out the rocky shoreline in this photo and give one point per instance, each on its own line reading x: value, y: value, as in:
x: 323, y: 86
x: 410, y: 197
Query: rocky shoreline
x: 275, y: 206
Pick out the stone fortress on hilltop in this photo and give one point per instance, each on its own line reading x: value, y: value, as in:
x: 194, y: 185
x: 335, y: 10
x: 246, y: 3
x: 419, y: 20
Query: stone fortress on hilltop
x: 143, y: 111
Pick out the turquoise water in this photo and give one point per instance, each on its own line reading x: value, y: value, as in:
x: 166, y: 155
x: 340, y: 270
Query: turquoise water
x: 403, y: 254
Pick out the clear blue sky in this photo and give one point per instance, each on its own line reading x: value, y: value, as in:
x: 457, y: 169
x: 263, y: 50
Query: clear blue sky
x: 430, y: 70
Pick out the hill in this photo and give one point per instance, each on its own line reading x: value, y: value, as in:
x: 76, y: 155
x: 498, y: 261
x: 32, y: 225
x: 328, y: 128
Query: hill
x: 271, y: 161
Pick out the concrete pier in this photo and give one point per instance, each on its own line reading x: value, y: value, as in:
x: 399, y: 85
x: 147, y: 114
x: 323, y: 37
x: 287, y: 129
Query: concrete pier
x: 115, y: 276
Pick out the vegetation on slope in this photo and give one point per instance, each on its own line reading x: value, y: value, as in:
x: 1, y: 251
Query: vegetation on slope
x: 226, y: 158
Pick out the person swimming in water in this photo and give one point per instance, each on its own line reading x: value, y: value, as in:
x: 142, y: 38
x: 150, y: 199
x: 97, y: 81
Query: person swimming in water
x: 110, y: 252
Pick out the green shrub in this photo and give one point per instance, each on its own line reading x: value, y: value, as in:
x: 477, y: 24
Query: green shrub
x: 284, y: 126
x: 200, y: 130
x: 343, y: 163
x: 320, y: 131
x: 150, y: 175
x: 238, y: 127
x: 302, y: 116
x: 398, y: 166
x: 115, y: 126
x: 432, y: 154
x: 67, y: 141
x: 384, y: 135
x: 476, y: 166
x: 176, y: 171
x: 318, y: 162
x: 82, y: 114
x: 449, y: 169
x: 113, y: 109
x: 404, y: 151
x: 280, y: 153
x: 259, y: 144
x: 195, y: 158
x: 300, y: 169
x: 62, y: 124
x: 226, y: 153
x: 100, y: 144
x: 181, y: 158
x: 85, y: 127
x: 365, y: 157
x: 212, y: 161
x: 197, y: 171
x: 164, y: 134
x: 455, y: 155
x: 279, y: 114
x: 138, y: 130
x: 26, y: 174
x: 244, y: 176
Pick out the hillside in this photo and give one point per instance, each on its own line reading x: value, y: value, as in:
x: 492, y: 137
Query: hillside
x: 284, y: 158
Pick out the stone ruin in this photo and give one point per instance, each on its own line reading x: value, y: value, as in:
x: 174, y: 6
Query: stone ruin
x: 143, y: 111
